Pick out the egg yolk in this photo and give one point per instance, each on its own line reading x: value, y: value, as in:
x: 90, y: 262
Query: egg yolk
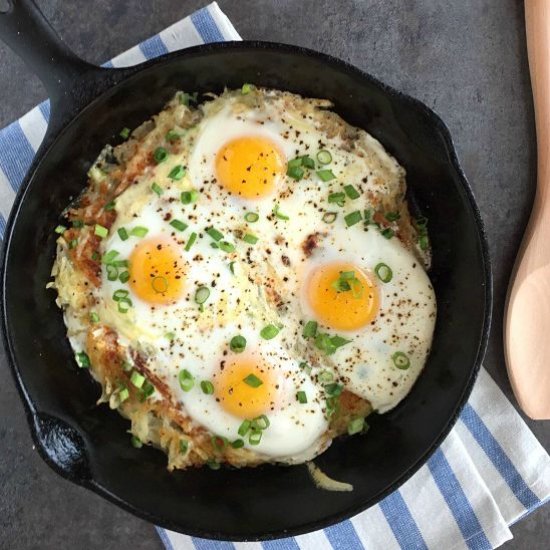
x: 249, y: 166
x: 156, y: 271
x: 245, y: 387
x: 342, y: 296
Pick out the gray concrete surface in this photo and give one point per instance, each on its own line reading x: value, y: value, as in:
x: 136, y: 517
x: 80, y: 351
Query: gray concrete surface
x: 465, y: 59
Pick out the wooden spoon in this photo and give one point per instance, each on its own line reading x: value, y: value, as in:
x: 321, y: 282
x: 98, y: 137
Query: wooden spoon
x: 527, y: 317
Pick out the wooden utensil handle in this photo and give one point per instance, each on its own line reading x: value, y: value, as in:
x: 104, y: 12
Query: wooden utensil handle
x: 537, y: 22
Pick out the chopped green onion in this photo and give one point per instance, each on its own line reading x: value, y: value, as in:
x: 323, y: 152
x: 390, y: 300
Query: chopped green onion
x: 186, y: 380
x: 383, y: 272
x: 325, y: 175
x: 137, y: 379
x: 295, y: 172
x: 325, y: 376
x: 392, y: 216
x: 213, y: 464
x: 147, y: 390
x: 188, y: 197
x: 255, y: 437
x: 232, y: 267
x: 301, y: 396
x: 329, y: 344
x: 347, y: 281
x: 120, y: 294
x: 324, y: 157
x: 125, y: 133
x: 401, y: 360
x: 159, y: 284
x: 124, y: 277
x: 108, y: 257
x: 260, y: 423
x: 355, y: 426
x: 351, y: 192
x: 156, y: 188
x: 269, y: 332
x: 82, y: 360
x: 139, y: 231
x: 123, y: 234
x: 179, y: 225
x: 186, y: 98
x: 294, y: 162
x: 305, y: 367
x: 334, y: 389
x: 423, y: 242
x: 352, y: 218
x: 160, y: 155
x: 136, y: 442
x: 219, y: 442
x: 73, y: 243
x: 251, y: 217
x: 237, y: 444
x: 126, y: 367
x: 101, y: 231
x: 339, y: 341
x: 124, y: 305
x: 184, y: 446
x: 252, y: 380
x: 329, y: 217
x: 237, y: 344
x: 77, y: 224
x: 388, y: 233
x: 246, y: 89
x: 207, y: 387
x: 60, y: 229
x: 191, y: 241
x: 171, y: 136
x: 337, y: 198
x: 250, y: 239
x: 308, y: 162
x: 333, y: 405
x: 214, y: 234
x: 278, y: 214
x: 95, y: 256
x: 244, y: 427
x: 123, y: 394
x: 170, y: 336
x: 310, y: 329
x: 226, y: 247
x: 202, y: 294
x: 177, y: 172
x: 110, y: 206
x: 94, y: 317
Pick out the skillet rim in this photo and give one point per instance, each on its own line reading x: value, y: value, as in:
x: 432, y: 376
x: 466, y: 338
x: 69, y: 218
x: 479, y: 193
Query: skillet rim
x: 34, y: 417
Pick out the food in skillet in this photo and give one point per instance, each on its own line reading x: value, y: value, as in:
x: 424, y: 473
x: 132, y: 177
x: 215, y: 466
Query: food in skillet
x: 244, y: 279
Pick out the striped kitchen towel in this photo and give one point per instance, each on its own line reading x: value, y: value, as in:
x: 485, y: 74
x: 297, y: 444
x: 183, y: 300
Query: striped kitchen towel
x: 490, y: 471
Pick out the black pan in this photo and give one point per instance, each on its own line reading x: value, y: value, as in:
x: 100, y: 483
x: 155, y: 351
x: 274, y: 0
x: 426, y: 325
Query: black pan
x: 89, y: 444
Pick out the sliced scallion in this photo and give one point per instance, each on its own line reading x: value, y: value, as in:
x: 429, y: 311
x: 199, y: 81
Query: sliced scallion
x: 334, y: 389
x: 124, y: 133
x: 179, y: 225
x: 191, y: 241
x: 383, y: 272
x: 250, y: 239
x: 251, y: 217
x: 136, y: 442
x: 329, y: 217
x: 214, y: 234
x: 237, y: 444
x: 160, y: 154
x: 388, y: 232
x: 94, y: 317
x: 338, y: 198
x: 123, y: 234
x: 201, y: 295
x: 177, y: 172
x: 392, y: 216
x: 308, y: 162
x: 139, y: 231
x: 295, y: 172
x: 226, y: 246
x: 305, y: 367
x: 423, y: 242
x: 356, y: 425
x: 213, y: 464
x: 279, y: 214
x: 260, y: 423
x: 157, y: 189
x: 137, y: 379
x: 301, y: 397
x: 110, y: 206
x: 325, y: 175
x: 184, y: 446
x: 269, y: 332
x: 159, y: 284
x: 219, y: 442
x: 244, y: 427
x: 246, y: 89
x: 186, y: 380
x: 352, y: 218
x: 172, y: 136
x: 60, y: 229
x: 324, y: 157
x: 255, y: 437
x: 237, y: 344
x: 124, y: 277
x: 101, y: 231
x: 188, y: 197
x: 82, y: 360
x: 252, y: 380
x: 207, y: 387
x: 310, y: 329
x: 351, y: 192
x: 401, y: 360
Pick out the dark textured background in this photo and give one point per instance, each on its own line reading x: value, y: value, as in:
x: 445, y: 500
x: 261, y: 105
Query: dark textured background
x: 465, y: 59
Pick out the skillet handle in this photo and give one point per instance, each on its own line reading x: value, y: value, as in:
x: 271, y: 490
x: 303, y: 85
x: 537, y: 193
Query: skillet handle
x: 26, y: 31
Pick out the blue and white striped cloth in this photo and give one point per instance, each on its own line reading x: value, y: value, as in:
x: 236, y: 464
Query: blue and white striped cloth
x: 490, y: 471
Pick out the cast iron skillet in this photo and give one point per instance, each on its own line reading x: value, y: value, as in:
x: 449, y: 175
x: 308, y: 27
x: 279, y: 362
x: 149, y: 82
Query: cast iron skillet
x: 90, y: 445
